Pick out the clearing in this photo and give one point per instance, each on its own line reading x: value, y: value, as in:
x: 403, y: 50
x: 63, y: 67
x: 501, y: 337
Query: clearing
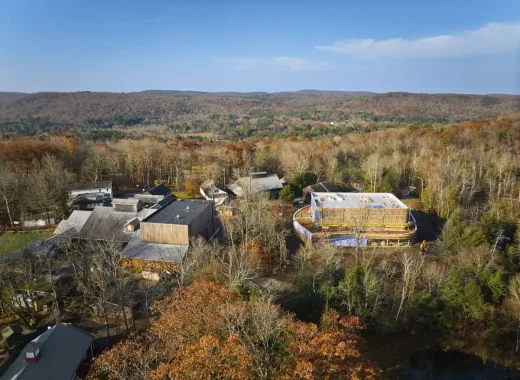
x: 15, y: 241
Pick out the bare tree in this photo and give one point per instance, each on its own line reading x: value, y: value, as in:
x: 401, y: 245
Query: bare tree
x: 410, y: 271
x: 10, y: 186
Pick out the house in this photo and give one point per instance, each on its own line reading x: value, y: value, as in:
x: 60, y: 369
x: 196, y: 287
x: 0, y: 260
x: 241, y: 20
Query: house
x: 88, y: 201
x: 60, y: 353
x: 109, y: 223
x: 320, y: 187
x: 257, y: 182
x: 104, y: 188
x: 210, y: 192
x: 164, y: 237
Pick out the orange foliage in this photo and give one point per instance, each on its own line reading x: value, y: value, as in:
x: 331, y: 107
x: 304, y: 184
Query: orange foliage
x: 329, y: 353
x: 199, y: 333
x: 22, y: 152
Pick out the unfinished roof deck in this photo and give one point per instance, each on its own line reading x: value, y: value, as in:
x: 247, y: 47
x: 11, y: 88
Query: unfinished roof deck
x: 357, y: 201
x: 382, y: 210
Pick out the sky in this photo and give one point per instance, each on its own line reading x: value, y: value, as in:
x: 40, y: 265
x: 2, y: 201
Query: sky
x: 461, y: 46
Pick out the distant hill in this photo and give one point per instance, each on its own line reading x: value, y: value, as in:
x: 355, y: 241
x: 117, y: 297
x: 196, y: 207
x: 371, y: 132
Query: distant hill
x: 11, y: 95
x: 250, y: 94
x: 58, y: 111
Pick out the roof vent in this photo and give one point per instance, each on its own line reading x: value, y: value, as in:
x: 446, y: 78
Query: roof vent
x: 187, y: 207
x: 177, y: 216
x: 33, y: 352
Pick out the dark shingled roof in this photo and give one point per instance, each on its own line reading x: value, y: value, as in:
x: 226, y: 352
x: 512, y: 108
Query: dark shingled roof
x: 62, y: 348
x: 179, y: 212
x: 90, y: 185
x: 322, y: 187
x: 159, y: 190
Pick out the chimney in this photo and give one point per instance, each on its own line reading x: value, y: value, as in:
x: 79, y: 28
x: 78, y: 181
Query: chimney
x: 33, y: 353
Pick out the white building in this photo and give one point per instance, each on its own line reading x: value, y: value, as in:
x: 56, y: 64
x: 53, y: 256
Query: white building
x: 104, y: 188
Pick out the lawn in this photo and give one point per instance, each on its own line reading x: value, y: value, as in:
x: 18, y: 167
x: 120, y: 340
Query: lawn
x: 185, y: 195
x: 13, y: 242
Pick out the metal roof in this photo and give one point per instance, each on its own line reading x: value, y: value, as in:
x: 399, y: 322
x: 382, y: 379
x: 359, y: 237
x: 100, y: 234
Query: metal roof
x: 142, y: 250
x: 76, y: 220
x: 62, y: 348
x: 357, y: 200
x: 182, y: 211
x: 255, y: 184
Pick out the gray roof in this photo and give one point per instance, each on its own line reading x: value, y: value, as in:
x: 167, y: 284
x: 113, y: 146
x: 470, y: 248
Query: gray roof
x: 90, y: 185
x: 76, y: 220
x: 255, y: 184
x: 182, y: 211
x: 106, y: 224
x: 62, y: 350
x: 124, y: 201
x: 142, y: 250
x: 149, y: 199
x: 322, y: 187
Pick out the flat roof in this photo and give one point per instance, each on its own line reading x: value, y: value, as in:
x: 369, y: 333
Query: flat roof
x: 124, y: 201
x: 182, y: 211
x: 357, y: 200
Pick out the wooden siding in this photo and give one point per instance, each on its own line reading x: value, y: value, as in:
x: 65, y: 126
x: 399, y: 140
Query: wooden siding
x: 165, y: 233
x: 370, y: 217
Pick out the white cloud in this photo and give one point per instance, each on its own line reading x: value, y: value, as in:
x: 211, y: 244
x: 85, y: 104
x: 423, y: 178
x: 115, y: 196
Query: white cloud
x: 282, y: 63
x: 494, y: 38
x: 299, y: 64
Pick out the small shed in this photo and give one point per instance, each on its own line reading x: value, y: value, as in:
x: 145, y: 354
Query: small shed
x: 127, y: 205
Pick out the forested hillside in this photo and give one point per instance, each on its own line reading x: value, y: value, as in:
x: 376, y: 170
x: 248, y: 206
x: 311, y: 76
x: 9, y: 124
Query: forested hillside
x: 239, y: 115
x: 462, y: 293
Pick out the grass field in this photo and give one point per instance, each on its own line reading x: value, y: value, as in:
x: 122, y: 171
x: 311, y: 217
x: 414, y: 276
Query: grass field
x: 185, y: 195
x: 13, y: 242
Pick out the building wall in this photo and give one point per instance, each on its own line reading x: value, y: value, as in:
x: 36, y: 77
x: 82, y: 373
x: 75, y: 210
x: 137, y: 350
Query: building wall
x: 125, y: 208
x: 107, y: 192
x: 203, y: 225
x: 370, y: 217
x: 165, y: 233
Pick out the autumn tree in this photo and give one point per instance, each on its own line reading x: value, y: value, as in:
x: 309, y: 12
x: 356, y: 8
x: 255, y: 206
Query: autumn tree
x: 204, y: 331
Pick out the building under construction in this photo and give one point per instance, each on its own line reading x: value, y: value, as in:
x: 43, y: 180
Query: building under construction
x: 356, y: 219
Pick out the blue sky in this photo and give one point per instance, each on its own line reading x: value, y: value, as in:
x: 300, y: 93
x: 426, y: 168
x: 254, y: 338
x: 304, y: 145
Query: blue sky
x: 261, y: 45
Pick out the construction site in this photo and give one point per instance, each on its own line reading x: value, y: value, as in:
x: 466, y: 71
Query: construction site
x: 355, y: 219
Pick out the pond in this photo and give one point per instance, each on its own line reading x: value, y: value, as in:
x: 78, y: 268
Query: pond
x: 453, y: 365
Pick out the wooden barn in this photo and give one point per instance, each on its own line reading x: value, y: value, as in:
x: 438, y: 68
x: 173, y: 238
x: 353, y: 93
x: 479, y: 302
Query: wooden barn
x: 162, y: 240
x: 179, y: 221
